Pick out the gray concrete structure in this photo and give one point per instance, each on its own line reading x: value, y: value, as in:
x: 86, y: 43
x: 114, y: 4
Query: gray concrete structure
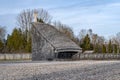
x: 49, y: 43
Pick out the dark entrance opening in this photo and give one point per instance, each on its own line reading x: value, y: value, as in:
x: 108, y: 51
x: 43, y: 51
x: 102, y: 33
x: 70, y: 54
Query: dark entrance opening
x: 66, y: 55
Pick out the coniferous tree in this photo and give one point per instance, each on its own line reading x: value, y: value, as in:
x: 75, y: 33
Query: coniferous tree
x: 1, y: 46
x: 40, y: 20
x: 103, y: 48
x: 86, y: 43
x: 110, y: 50
x: 9, y: 43
x: 115, y: 48
x: 96, y: 48
x: 17, y: 42
x: 28, y: 46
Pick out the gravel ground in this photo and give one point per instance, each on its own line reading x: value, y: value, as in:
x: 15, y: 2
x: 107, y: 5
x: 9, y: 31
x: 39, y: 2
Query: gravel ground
x: 68, y: 70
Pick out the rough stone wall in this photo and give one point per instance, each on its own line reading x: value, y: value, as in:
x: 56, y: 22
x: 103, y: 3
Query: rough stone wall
x: 48, y: 51
x: 46, y: 39
x: 41, y: 49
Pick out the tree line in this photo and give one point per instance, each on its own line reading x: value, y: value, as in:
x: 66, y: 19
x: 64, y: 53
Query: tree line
x: 19, y: 41
x: 91, y: 41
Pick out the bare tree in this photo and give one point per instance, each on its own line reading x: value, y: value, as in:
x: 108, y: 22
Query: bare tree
x: 44, y: 15
x: 82, y: 34
x: 90, y: 33
x: 64, y: 29
x: 58, y: 25
x: 118, y: 38
x: 116, y: 41
x: 25, y: 18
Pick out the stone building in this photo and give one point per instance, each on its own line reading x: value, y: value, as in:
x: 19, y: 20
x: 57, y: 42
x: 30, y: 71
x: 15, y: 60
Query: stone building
x: 49, y: 43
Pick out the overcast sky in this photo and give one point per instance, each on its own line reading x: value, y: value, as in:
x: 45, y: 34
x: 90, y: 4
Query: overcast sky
x: 102, y: 16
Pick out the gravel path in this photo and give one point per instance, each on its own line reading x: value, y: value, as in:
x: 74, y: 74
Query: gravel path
x: 68, y: 70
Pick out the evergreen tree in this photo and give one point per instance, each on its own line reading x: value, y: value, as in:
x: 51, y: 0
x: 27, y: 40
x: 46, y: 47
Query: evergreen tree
x: 103, y: 48
x: 110, y: 50
x: 1, y: 46
x: 96, y: 48
x: 16, y: 42
x: 115, y: 48
x: 86, y: 43
x: 28, y: 46
x: 40, y: 20
x: 9, y: 43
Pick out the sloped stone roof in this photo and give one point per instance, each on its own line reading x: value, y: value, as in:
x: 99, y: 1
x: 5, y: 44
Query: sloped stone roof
x: 59, y: 40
